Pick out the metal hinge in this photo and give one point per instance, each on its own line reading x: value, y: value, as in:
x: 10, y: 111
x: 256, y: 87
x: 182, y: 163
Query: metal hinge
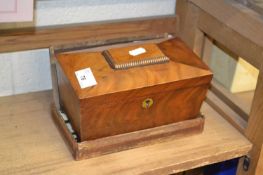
x: 246, y: 163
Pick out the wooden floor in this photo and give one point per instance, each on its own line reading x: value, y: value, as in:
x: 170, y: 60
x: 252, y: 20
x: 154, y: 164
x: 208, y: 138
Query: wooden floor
x: 31, y: 144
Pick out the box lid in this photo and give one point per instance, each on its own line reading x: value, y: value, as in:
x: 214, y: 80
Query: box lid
x: 184, y: 70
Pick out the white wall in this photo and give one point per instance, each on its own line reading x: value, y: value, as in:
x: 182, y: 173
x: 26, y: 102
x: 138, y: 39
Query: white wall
x: 28, y: 71
x: 58, y: 11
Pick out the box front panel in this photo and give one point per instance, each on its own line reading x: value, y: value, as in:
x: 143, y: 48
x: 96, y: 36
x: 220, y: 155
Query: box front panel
x: 102, y: 120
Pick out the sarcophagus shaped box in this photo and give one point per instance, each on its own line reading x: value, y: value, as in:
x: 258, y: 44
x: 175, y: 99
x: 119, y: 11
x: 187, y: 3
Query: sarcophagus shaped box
x: 141, y: 92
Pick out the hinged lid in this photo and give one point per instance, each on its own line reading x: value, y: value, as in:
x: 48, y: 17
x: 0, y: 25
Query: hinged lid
x: 184, y: 70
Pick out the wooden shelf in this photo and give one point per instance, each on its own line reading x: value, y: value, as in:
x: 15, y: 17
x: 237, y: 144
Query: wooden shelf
x: 242, y: 101
x: 31, y: 144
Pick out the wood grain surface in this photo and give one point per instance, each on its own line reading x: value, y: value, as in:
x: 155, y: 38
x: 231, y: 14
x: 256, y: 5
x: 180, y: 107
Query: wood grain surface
x: 233, y: 25
x: 103, y: 120
x: 114, y: 105
x: 185, y: 66
x: 151, y: 51
x: 239, y: 29
x: 31, y: 144
x: 188, y: 15
x: 254, y: 130
x: 86, y: 33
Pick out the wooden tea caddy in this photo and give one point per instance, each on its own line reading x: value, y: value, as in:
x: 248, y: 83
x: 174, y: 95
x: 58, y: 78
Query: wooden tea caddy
x: 129, y: 107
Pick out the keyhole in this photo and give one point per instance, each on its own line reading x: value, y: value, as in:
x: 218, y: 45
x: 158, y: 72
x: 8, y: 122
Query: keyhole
x: 147, y: 103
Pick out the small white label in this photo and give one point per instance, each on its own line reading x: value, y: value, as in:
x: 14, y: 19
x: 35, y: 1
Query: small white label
x: 137, y: 51
x: 85, y: 78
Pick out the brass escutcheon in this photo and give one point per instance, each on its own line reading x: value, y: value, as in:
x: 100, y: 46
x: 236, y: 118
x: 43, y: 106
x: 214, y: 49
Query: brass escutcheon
x: 147, y: 103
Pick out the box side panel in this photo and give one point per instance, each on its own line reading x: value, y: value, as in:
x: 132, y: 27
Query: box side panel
x: 68, y: 100
x: 124, y: 116
x: 179, y: 52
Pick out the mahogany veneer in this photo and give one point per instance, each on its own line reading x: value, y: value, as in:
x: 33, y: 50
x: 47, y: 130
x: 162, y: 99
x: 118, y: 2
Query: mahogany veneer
x: 114, y: 105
